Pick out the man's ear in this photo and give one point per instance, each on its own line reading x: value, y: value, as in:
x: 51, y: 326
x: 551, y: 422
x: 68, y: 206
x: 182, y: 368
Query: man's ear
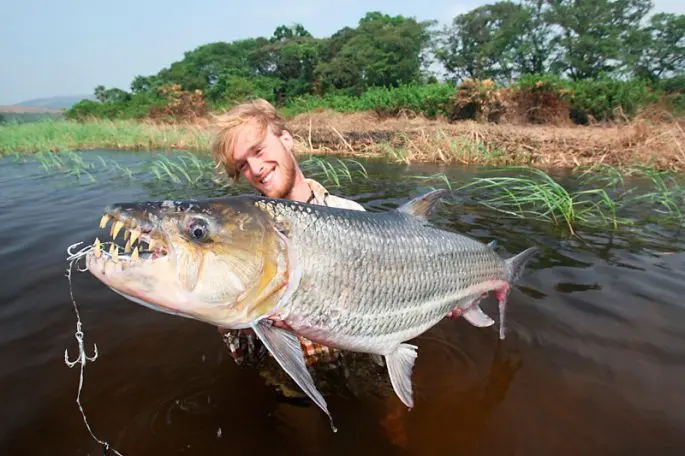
x: 287, y: 140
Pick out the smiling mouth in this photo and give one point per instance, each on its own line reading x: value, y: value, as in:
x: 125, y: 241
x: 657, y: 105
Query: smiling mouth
x: 266, y: 179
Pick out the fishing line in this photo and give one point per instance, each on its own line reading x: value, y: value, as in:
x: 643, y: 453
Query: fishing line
x: 82, y: 358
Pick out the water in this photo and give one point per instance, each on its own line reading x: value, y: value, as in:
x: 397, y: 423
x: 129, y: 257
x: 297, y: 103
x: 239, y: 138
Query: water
x: 594, y: 361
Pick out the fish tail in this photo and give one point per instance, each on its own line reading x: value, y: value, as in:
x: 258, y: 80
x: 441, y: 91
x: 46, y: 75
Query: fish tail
x: 514, y: 266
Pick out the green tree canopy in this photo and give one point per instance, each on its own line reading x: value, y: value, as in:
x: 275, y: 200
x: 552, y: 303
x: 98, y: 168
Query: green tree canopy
x: 658, y: 50
x: 593, y: 33
x: 383, y: 51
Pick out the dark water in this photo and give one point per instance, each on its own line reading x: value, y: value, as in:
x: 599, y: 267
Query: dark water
x: 594, y: 362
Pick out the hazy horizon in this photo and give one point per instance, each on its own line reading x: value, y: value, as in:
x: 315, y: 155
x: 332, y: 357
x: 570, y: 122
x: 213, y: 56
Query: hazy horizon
x: 64, y: 49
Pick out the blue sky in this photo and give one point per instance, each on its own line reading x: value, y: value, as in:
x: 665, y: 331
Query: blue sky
x: 68, y: 47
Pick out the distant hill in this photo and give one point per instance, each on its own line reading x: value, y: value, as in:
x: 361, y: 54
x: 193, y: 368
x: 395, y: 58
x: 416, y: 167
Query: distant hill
x: 14, y: 109
x: 61, y: 102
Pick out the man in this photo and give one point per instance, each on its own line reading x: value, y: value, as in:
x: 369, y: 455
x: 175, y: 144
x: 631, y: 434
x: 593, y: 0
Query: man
x: 252, y: 142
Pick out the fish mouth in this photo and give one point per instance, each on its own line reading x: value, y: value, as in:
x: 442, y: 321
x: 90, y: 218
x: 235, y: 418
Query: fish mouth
x: 142, y: 241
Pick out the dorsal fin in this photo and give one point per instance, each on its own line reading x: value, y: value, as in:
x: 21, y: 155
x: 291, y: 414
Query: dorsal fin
x: 422, y: 205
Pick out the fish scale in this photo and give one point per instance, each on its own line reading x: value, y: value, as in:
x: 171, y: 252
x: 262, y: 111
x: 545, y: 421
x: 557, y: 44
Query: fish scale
x: 412, y: 275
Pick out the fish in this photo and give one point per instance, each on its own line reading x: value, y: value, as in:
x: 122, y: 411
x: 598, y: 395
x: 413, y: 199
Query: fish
x: 361, y: 281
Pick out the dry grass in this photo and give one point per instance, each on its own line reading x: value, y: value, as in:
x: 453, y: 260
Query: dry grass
x: 648, y: 140
x: 652, y: 139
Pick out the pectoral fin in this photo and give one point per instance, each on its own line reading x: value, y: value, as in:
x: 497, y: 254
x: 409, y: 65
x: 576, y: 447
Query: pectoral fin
x: 286, y: 349
x: 477, y: 317
x: 400, y: 366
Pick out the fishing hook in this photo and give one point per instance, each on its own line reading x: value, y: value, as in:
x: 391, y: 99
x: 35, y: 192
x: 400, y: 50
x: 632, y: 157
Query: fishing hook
x: 83, y: 357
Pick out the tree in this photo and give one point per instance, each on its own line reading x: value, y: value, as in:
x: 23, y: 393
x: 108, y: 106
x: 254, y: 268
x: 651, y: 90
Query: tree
x: 201, y: 67
x: 290, y: 56
x: 383, y: 51
x: 148, y: 84
x: 113, y: 95
x: 658, y: 50
x: 490, y: 42
x: 593, y: 33
x: 284, y: 32
x: 533, y: 46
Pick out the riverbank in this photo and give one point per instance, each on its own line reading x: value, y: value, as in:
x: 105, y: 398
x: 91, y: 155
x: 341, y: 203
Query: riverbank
x: 642, y: 141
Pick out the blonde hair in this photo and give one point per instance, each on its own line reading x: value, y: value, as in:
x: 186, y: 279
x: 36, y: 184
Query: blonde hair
x: 259, y: 113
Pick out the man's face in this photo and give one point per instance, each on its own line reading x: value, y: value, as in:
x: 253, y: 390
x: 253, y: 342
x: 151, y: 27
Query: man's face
x: 267, y: 164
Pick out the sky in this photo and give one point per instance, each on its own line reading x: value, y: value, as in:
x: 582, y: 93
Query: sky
x: 67, y: 47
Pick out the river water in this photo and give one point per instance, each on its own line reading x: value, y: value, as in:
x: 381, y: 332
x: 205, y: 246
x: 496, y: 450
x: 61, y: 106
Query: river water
x: 594, y: 361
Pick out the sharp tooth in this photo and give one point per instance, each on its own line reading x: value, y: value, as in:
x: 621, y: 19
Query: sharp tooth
x: 127, y: 233
x: 97, y: 248
x: 134, y: 236
x: 116, y: 227
x: 127, y: 247
x: 135, y: 255
x: 104, y: 220
x: 151, y: 243
x: 114, y: 252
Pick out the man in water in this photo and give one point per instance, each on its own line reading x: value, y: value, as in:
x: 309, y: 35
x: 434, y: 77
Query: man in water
x: 252, y: 141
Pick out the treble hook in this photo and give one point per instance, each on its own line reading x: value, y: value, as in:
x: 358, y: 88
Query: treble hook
x: 83, y: 356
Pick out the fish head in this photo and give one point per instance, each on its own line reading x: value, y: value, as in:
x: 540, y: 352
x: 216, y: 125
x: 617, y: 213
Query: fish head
x: 222, y: 261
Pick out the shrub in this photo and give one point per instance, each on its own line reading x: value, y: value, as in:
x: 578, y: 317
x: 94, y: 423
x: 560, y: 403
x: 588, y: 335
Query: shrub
x: 477, y: 100
x: 607, y: 99
x: 538, y: 99
x: 430, y: 100
x: 180, y: 105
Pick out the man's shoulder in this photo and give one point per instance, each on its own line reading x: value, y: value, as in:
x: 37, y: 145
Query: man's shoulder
x: 343, y: 203
x: 324, y: 198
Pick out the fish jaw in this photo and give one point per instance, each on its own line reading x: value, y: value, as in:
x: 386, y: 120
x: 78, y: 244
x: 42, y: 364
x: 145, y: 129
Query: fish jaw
x: 231, y: 276
x: 145, y: 283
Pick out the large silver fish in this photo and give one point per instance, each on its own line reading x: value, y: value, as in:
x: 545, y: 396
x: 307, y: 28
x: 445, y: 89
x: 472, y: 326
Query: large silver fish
x: 359, y: 281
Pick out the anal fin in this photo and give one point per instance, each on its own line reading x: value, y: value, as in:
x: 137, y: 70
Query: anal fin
x: 378, y: 359
x: 400, y: 367
x: 477, y: 317
x: 285, y: 348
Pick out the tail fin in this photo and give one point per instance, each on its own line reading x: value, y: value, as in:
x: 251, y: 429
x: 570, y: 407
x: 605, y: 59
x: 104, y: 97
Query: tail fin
x: 515, y: 265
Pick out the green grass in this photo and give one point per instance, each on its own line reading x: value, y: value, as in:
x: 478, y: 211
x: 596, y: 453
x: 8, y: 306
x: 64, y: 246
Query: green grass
x: 535, y: 195
x: 330, y: 172
x: 668, y: 193
x: 531, y: 193
x: 51, y: 135
x: 181, y: 168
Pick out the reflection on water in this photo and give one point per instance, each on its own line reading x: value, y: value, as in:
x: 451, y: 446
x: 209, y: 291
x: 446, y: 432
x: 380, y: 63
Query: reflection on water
x: 593, y: 363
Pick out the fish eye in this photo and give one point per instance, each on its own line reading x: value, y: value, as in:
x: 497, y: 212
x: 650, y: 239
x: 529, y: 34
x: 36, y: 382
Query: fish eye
x: 198, y: 230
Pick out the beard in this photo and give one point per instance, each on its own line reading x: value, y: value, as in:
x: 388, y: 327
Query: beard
x: 288, y: 172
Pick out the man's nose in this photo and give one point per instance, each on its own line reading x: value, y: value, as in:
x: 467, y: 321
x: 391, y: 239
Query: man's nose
x: 256, y: 166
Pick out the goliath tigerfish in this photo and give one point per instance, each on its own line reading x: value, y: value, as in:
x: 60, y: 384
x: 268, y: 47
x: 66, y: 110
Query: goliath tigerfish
x: 359, y: 281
